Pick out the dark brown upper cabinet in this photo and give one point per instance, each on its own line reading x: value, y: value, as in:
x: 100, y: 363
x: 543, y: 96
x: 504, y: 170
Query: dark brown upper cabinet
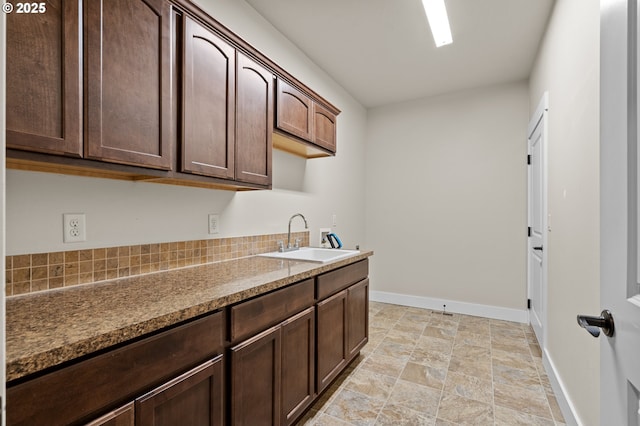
x: 254, y: 122
x: 208, y: 140
x: 152, y: 90
x: 295, y: 114
x: 128, y: 82
x: 44, y: 104
x: 324, y: 127
x: 299, y: 115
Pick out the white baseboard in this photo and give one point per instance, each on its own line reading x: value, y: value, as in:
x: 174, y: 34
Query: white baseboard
x: 487, y: 311
x: 566, y: 406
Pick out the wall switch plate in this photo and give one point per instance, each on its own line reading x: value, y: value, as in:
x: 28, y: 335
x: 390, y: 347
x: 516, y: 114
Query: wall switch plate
x: 214, y: 224
x: 74, y: 227
x: 334, y: 220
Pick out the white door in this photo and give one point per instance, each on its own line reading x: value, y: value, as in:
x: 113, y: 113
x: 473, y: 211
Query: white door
x: 537, y: 276
x: 619, y: 218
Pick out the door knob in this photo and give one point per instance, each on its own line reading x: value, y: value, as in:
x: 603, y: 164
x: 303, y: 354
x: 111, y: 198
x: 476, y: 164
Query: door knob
x: 538, y: 248
x: 594, y: 324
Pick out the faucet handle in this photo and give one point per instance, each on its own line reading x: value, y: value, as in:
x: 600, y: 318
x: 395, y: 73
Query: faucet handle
x: 280, y: 246
x: 297, y: 243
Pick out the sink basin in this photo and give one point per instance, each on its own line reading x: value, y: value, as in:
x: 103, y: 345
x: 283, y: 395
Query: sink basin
x: 312, y: 254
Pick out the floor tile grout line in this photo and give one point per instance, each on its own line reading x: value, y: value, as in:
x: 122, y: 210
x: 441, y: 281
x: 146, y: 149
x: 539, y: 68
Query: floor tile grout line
x: 453, y: 344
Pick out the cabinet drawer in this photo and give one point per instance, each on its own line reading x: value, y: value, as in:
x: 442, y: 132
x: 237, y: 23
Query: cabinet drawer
x: 83, y: 390
x: 334, y: 281
x: 255, y: 315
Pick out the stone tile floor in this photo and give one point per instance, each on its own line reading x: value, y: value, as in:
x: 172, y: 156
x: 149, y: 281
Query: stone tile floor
x: 421, y: 367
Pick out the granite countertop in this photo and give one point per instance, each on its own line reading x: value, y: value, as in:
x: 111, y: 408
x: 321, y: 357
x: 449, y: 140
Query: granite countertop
x: 49, y: 328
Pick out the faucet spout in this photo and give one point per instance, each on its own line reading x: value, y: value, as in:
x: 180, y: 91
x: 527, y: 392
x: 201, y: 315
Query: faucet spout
x: 306, y: 226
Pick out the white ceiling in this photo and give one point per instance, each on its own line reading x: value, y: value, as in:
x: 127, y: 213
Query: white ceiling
x: 382, y: 51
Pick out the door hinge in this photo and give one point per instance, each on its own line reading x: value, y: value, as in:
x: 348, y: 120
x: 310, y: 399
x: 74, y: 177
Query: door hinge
x: 528, y: 231
x: 528, y: 303
x: 529, y: 159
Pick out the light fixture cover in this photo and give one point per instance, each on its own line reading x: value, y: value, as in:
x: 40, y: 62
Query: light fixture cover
x: 438, y: 21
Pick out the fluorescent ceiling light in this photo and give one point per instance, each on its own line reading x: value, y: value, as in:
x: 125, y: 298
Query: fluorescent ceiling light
x: 438, y: 21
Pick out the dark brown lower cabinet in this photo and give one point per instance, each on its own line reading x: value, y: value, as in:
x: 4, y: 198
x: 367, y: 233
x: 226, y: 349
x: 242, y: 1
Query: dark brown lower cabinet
x: 298, y: 365
x: 272, y: 374
x: 194, y: 398
x: 255, y: 380
x: 357, y: 317
x: 343, y: 329
x: 332, y: 337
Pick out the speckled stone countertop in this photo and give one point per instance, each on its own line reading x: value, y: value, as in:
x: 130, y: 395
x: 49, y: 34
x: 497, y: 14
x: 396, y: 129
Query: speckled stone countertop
x: 49, y: 328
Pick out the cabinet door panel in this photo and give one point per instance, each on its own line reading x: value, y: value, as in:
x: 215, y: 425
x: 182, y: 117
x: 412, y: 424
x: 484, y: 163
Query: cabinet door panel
x: 194, y: 398
x: 324, y: 127
x: 127, y: 81
x: 298, y: 364
x: 357, y: 317
x: 294, y: 111
x: 254, y: 118
x: 208, y: 104
x: 43, y: 80
x: 332, y: 338
x: 255, y: 380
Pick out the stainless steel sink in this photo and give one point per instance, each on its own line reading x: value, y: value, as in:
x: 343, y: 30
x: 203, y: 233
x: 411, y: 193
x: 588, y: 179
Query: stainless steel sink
x: 312, y: 254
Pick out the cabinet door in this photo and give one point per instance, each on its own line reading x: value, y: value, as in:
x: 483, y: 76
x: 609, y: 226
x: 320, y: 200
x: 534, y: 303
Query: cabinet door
x: 208, y: 103
x: 194, y: 398
x: 254, y: 118
x: 43, y: 80
x: 123, y: 416
x: 298, y: 364
x: 294, y: 111
x: 255, y: 380
x: 332, y: 338
x: 357, y: 317
x: 324, y: 127
x: 127, y: 82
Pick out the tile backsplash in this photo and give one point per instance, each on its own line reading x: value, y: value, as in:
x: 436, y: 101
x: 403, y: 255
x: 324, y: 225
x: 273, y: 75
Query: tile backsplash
x: 29, y: 273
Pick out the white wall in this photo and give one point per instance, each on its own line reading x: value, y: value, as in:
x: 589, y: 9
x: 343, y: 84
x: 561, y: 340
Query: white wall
x: 446, y: 197
x: 568, y: 67
x: 121, y: 213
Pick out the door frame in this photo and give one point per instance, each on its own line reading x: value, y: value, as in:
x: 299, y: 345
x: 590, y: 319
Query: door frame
x: 540, y: 116
x: 3, y: 233
x: 620, y: 209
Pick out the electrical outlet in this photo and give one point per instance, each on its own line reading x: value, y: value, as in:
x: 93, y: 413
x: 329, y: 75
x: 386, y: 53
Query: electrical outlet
x: 74, y: 227
x: 334, y: 220
x: 214, y: 224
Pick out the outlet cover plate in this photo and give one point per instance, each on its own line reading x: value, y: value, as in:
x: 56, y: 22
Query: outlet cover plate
x: 214, y: 224
x: 74, y: 227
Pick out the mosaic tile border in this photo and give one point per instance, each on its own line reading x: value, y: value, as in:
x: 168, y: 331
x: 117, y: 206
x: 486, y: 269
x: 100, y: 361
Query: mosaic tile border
x: 30, y: 273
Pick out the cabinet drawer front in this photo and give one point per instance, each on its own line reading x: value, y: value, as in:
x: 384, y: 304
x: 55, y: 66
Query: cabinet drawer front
x: 255, y: 315
x: 334, y: 281
x: 88, y: 387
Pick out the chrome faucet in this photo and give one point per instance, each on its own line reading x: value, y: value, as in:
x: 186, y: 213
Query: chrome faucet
x: 296, y: 247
